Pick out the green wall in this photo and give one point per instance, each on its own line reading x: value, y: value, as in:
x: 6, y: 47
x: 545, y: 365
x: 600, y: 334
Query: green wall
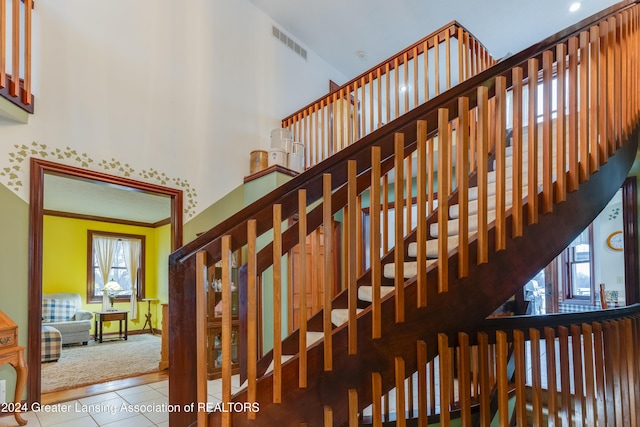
x: 64, y: 262
x: 14, y: 264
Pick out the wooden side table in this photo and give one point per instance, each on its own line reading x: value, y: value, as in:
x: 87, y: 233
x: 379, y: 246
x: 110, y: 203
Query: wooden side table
x: 13, y: 354
x: 110, y: 316
x: 148, y: 315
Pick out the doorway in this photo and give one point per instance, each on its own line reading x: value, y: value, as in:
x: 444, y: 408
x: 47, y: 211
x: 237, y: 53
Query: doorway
x: 40, y: 168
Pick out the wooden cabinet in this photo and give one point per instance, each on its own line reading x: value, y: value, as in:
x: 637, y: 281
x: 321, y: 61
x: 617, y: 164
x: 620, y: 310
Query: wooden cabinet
x: 214, y: 322
x: 13, y: 354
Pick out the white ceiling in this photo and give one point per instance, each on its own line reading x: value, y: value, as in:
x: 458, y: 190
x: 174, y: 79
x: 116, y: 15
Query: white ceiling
x: 67, y: 194
x: 337, y: 30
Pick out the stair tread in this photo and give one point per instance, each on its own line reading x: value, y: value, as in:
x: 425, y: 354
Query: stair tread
x: 432, y: 247
x: 410, y: 268
x: 339, y: 316
x: 365, y: 293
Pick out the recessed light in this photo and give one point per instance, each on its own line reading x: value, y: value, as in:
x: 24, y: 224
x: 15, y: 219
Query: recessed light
x: 574, y: 7
x: 403, y: 88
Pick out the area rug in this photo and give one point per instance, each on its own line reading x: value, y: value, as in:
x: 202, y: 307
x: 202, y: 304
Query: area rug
x: 96, y: 363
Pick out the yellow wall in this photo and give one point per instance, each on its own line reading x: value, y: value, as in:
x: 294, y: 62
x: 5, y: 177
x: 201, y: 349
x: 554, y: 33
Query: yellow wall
x: 64, y: 263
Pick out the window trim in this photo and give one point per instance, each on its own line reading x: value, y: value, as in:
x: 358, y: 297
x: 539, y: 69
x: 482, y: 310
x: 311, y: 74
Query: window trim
x: 566, y: 276
x: 91, y: 297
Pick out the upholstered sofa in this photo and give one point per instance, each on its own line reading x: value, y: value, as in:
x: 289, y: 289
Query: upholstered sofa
x: 63, y: 311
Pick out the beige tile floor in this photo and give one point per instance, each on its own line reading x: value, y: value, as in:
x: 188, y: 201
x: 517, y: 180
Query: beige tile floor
x: 113, y: 409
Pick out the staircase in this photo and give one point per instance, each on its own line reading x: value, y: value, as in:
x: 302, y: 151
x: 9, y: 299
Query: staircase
x: 503, y: 221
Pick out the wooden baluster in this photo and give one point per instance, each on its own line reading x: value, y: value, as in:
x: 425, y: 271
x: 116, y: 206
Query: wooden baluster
x: 328, y: 416
x: 396, y: 87
x: 226, y: 257
x: 374, y: 240
x: 503, y: 381
x: 560, y: 135
x: 388, y: 92
x: 534, y: 337
x: 352, y: 243
x: 359, y: 237
x: 612, y: 372
x: 629, y: 358
x: 422, y: 384
x: 611, y: 73
x: 421, y: 232
x: 445, y: 379
x: 353, y: 408
x: 501, y: 165
x: 602, y: 94
x: 462, y: 181
x: 431, y: 165
x: 201, y: 331
x: 552, y: 389
x: 473, y: 139
x: 376, y: 398
x: 532, y: 142
x: 363, y: 119
x: 401, y: 415
x: 399, y: 227
x: 405, y: 82
x: 599, y: 363
x: 436, y: 63
x: 520, y: 378
x: 425, y: 71
x: 617, y: 81
x: 578, y: 387
x: 252, y: 315
x: 516, y: 155
x: 624, y: 71
x: 464, y: 379
x: 623, y: 377
x: 327, y: 229
x: 352, y: 116
x: 461, y: 56
x: 371, y: 98
x: 447, y: 50
x: 547, y: 132
x: 467, y: 56
x: 277, y: 303
x: 443, y: 200
x: 594, y: 73
x: 572, y: 133
x: 566, y: 411
x: 14, y: 88
x: 485, y: 386
x: 325, y: 147
x: 584, y: 107
x: 589, y: 378
x: 408, y: 198
x: 385, y: 213
x: 482, y: 149
x: 302, y: 283
x: 416, y: 83
x: 379, y: 96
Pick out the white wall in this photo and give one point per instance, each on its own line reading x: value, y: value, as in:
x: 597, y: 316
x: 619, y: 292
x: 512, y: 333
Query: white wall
x: 175, y: 91
x: 609, y: 266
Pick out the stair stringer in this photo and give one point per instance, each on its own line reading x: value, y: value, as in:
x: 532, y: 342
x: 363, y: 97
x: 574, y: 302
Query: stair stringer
x: 463, y: 307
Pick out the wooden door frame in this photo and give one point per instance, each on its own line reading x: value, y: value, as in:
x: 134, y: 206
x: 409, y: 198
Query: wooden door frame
x: 39, y: 168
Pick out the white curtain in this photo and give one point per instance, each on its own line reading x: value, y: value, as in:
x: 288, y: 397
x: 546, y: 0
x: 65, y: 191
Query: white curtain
x: 131, y: 259
x: 105, y: 249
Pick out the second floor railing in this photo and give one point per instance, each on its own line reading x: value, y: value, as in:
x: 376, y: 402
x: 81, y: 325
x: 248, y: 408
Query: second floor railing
x: 15, y: 52
x: 416, y: 74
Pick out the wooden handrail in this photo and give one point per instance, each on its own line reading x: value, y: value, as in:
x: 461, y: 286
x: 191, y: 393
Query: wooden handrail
x: 336, y: 186
x: 14, y: 86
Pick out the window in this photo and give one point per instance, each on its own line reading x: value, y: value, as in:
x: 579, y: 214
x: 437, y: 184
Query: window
x: 578, y: 272
x: 117, y: 257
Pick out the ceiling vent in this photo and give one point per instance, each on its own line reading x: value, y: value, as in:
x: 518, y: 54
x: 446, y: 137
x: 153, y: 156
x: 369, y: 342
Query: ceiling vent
x: 280, y: 35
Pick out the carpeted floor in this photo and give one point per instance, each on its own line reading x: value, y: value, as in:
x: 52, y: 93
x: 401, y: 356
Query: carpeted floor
x: 96, y: 363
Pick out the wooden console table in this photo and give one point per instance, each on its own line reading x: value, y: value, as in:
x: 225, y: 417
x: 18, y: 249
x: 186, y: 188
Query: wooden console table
x: 109, y: 316
x: 13, y: 354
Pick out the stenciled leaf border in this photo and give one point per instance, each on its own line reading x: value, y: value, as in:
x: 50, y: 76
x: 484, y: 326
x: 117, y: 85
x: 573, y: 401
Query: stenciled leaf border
x: 18, y: 160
